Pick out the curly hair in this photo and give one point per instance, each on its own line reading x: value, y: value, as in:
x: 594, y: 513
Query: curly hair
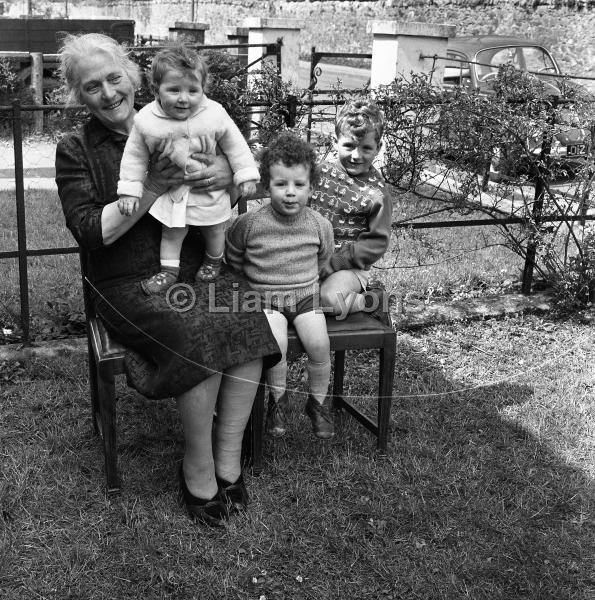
x: 77, y: 47
x: 289, y: 150
x: 179, y: 58
x: 358, y: 117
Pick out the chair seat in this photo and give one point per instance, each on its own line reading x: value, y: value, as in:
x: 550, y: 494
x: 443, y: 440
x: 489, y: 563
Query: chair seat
x: 105, y: 347
x: 356, y: 331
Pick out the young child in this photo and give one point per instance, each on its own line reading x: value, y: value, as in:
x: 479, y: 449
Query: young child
x: 179, y: 122
x: 353, y: 196
x: 281, y: 248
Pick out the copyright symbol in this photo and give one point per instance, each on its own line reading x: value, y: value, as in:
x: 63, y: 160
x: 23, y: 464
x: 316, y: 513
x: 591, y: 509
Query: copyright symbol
x: 180, y: 297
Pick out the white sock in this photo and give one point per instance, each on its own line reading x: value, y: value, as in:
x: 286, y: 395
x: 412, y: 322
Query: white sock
x: 167, y: 262
x: 319, y: 376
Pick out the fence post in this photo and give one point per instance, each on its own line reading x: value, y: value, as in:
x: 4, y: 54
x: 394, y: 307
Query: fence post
x: 291, y: 116
x: 191, y: 33
x: 537, y: 209
x: 268, y: 31
x: 37, y: 89
x: 399, y: 48
x: 238, y: 35
x: 17, y: 137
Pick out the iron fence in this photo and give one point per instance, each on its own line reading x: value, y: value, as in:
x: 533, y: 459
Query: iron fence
x: 296, y: 112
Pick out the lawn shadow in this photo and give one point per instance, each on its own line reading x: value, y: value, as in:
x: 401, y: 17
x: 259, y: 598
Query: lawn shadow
x: 467, y: 504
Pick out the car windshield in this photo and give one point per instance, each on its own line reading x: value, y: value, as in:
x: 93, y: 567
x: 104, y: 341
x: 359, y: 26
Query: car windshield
x: 524, y: 58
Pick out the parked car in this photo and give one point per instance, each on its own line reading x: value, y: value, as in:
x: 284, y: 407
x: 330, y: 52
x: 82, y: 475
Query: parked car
x: 475, y: 64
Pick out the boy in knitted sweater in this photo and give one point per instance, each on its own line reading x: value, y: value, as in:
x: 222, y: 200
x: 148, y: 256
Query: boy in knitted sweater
x: 281, y: 248
x: 354, y: 197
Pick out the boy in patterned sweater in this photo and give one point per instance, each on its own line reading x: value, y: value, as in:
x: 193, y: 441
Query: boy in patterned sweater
x: 354, y: 197
x: 281, y: 248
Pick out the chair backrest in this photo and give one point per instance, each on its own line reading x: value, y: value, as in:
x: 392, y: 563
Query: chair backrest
x: 87, y: 295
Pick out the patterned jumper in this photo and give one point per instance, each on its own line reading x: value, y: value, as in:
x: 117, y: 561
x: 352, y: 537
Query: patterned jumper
x: 359, y: 209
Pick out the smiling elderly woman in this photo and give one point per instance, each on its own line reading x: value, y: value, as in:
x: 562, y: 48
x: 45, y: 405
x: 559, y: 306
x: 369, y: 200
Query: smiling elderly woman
x: 208, y: 360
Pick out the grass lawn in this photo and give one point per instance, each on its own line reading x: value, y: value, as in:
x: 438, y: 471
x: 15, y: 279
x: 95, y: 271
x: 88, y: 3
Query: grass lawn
x: 486, y: 491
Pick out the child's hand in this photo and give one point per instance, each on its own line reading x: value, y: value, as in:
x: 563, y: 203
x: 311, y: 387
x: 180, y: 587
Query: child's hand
x: 127, y: 205
x: 248, y: 189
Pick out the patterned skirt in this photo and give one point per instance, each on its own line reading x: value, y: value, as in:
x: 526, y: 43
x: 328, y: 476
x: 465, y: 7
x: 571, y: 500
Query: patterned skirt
x: 178, y: 338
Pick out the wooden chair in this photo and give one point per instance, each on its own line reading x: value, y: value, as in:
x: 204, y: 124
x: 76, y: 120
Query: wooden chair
x: 357, y: 332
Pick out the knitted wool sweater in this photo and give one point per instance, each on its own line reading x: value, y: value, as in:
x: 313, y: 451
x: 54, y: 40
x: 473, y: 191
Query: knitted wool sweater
x: 280, y: 254
x: 360, y: 210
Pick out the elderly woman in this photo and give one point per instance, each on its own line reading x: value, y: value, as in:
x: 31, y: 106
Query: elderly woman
x: 205, y: 352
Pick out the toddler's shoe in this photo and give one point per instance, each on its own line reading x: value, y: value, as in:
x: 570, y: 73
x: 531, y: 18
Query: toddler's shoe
x: 276, y: 422
x: 160, y: 282
x: 321, y: 417
x: 210, y: 268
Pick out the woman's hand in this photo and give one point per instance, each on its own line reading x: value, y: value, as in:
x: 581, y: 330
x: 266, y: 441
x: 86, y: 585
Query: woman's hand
x: 216, y: 174
x: 162, y: 174
x: 128, y: 205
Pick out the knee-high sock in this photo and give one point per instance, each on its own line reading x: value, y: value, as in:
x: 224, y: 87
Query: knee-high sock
x: 319, y: 376
x: 276, y: 378
x: 236, y: 395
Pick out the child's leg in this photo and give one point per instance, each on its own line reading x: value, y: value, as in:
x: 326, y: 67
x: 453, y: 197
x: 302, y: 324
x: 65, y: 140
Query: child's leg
x: 214, y: 237
x: 276, y: 377
x: 169, y: 258
x: 311, y: 329
x: 342, y: 293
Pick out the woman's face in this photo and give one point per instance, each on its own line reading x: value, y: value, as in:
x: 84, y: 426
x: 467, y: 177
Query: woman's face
x: 107, y: 91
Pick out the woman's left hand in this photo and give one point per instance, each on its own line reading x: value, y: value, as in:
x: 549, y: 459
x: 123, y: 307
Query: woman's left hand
x: 216, y: 174
x: 162, y: 174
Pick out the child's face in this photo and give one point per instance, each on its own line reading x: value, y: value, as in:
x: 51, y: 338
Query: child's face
x: 289, y: 188
x: 357, y: 154
x: 180, y: 93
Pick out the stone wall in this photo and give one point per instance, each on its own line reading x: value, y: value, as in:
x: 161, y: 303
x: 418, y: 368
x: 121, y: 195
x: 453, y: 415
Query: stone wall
x: 567, y: 27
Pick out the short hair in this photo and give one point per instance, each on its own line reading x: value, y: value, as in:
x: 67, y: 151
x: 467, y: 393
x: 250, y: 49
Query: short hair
x: 76, y: 47
x: 181, y: 58
x: 358, y: 118
x: 289, y: 150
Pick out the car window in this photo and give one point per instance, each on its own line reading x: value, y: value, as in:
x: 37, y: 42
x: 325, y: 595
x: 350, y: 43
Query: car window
x: 492, y: 58
x: 538, y: 60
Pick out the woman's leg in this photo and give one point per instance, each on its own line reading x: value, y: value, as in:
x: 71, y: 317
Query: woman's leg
x: 236, y: 396
x: 196, y: 408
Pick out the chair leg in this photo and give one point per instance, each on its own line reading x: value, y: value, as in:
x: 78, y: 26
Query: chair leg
x: 93, y: 388
x: 255, y: 431
x: 107, y: 409
x: 338, y: 379
x: 385, y: 392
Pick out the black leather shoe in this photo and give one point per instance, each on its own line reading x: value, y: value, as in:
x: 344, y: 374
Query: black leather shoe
x: 276, y: 422
x: 235, y: 494
x: 321, y: 417
x: 211, y: 512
